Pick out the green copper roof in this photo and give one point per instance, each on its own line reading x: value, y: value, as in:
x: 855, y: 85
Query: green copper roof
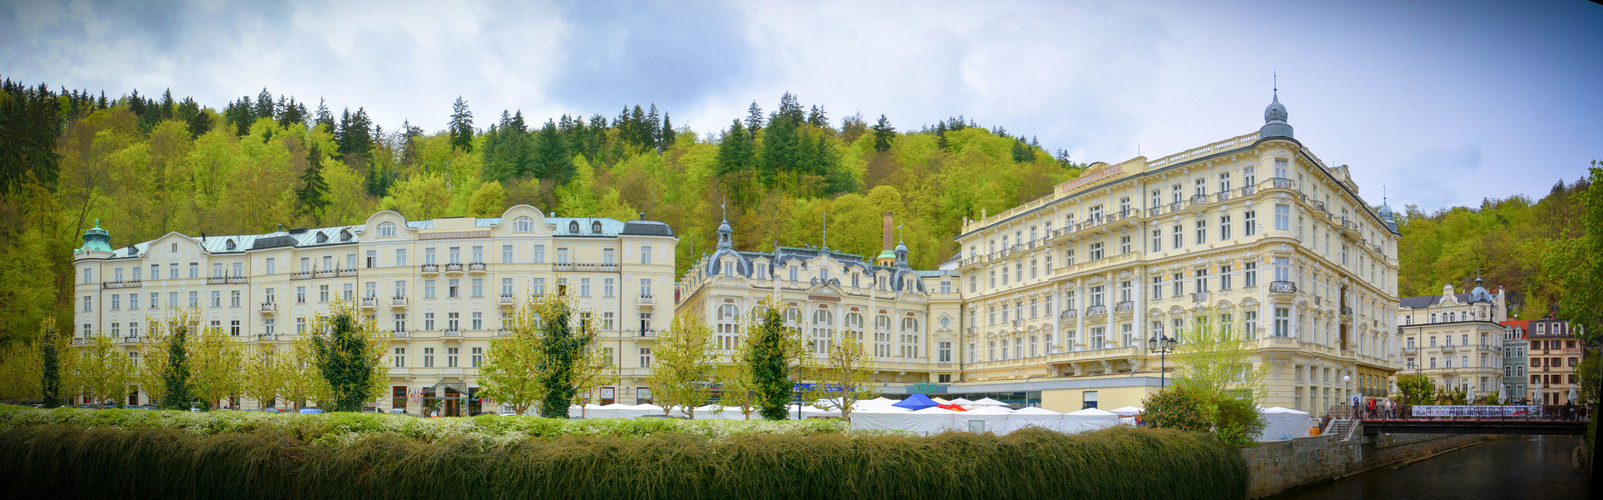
x: 886, y: 254
x: 96, y: 239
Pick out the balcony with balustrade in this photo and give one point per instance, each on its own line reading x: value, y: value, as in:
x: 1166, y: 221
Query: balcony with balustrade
x: 430, y: 269
x: 269, y: 308
x: 1096, y: 311
x: 453, y: 268
x: 1200, y: 298
x: 477, y: 268
x: 369, y: 302
x: 114, y: 285
x: 1277, y: 183
x: 398, y: 302
x: 1283, y: 289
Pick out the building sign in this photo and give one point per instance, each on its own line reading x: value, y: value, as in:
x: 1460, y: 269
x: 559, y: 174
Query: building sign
x: 921, y: 388
x: 1483, y: 411
x: 453, y: 235
x: 823, y: 298
x: 1105, y: 173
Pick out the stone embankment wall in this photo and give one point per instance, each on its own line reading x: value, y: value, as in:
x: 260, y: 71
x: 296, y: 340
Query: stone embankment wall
x: 1280, y: 465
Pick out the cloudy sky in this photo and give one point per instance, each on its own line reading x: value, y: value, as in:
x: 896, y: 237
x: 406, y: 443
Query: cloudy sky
x: 1442, y: 103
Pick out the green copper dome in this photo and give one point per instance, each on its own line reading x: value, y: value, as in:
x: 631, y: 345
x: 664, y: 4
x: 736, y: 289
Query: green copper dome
x: 96, y: 239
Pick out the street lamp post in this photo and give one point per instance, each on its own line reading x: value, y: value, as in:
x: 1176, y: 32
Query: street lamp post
x: 1163, y: 345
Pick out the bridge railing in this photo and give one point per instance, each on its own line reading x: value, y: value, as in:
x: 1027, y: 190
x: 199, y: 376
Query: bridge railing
x: 1495, y: 412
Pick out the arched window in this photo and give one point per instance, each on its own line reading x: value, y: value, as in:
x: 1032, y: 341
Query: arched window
x: 727, y: 336
x: 386, y: 230
x: 793, y: 318
x: 823, y: 332
x: 854, y: 326
x: 882, y: 336
x: 573, y: 227
x: 595, y: 227
x: 910, y: 337
x: 523, y: 224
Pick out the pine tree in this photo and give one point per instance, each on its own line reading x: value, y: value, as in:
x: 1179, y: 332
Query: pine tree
x: 940, y: 136
x: 176, y: 374
x: 264, y: 105
x: 50, y: 360
x: 324, y: 117
x: 754, y: 118
x: 883, y: 133
x: 817, y: 118
x: 667, y: 134
x: 790, y: 108
x: 167, y: 104
x: 561, y: 347
x: 345, y: 347
x: 312, y: 194
x: 770, y: 351
x: 461, y: 126
x: 552, y: 160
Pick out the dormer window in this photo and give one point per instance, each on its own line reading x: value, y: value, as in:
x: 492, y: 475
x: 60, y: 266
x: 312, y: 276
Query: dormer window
x: 386, y: 230
x: 345, y: 235
x: 573, y: 227
x: 230, y: 244
x: 523, y: 225
x: 322, y: 237
x: 595, y: 227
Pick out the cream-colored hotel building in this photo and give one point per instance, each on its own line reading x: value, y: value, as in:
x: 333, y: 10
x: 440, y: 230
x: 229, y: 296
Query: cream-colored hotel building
x: 442, y: 286
x: 1049, y: 303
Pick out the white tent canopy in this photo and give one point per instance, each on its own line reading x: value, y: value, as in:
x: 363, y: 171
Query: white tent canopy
x: 960, y: 402
x: 983, y: 419
x: 1034, y: 417
x: 930, y: 421
x: 1128, y: 411
x: 988, y: 402
x: 1284, y: 423
x: 1089, y: 419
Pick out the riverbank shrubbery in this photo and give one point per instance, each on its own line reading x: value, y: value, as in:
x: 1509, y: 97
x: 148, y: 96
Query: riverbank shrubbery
x: 348, y: 426
x: 162, y: 462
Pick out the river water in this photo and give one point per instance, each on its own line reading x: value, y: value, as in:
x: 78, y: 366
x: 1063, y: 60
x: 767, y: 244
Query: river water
x: 1503, y: 469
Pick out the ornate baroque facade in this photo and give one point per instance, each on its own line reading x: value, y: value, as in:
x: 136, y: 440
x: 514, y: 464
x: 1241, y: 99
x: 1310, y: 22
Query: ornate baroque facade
x: 442, y: 286
x: 1455, y: 339
x: 1061, y: 293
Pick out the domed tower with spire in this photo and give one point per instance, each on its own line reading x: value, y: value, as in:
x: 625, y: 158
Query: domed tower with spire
x: 1274, y: 119
x: 96, y: 239
x: 726, y: 248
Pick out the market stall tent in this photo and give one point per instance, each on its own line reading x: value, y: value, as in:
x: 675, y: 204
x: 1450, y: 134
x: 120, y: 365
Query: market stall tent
x: 1089, y: 419
x: 1034, y: 417
x: 991, y: 419
x: 1284, y: 423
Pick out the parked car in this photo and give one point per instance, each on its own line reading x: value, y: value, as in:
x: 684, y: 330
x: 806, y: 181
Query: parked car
x: 311, y: 411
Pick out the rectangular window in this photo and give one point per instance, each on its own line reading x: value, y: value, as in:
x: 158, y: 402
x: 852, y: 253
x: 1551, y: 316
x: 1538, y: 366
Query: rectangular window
x: 322, y: 293
x: 1202, y: 231
x: 453, y: 321
x: 584, y: 287
x: 1249, y: 274
x: 1124, y: 246
x: 539, y: 254
x: 450, y: 356
x: 478, y: 356
x: 172, y: 271
x: 645, y: 357
x: 428, y: 357
x: 1249, y: 222
x: 194, y: 299
x: 1282, y: 322
x: 1252, y: 324
x: 233, y: 299
x: 1282, y: 217
x: 194, y: 269
x: 645, y: 255
x: 1224, y: 228
x: 1157, y: 287
x: 945, y: 352
x: 372, y: 259
x: 506, y: 254
x: 453, y: 288
x: 478, y: 287
x: 1157, y: 240
x: 400, y: 257
x: 1096, y: 251
x: 1179, y: 284
x: 1179, y: 236
x: 400, y: 357
x: 1224, y: 277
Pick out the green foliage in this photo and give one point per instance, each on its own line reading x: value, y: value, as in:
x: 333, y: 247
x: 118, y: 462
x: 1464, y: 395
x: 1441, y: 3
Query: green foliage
x: 770, y: 352
x: 1416, y: 389
x: 349, y: 353
x: 1176, y: 409
x: 1529, y: 247
x: 563, y: 341
x: 313, y: 191
x: 73, y: 461
x: 176, y: 374
x: 50, y: 360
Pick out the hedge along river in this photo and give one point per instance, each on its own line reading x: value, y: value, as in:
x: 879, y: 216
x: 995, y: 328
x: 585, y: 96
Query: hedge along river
x: 1515, y: 467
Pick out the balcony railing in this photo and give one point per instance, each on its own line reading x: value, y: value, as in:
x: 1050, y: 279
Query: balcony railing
x: 1069, y: 314
x: 596, y: 268
x: 453, y: 333
x: 1282, y: 287
x: 476, y: 267
x: 1096, y: 310
x: 217, y: 280
x: 327, y: 273
x: 400, y: 334
x: 431, y: 268
x: 266, y: 337
x: 453, y: 268
x: 1222, y: 196
x: 304, y: 275
x: 1197, y: 199
x: 398, y: 301
x: 1199, y: 297
x: 345, y: 273
x: 369, y: 302
x: 647, y: 299
x: 1278, y: 183
x: 1123, y: 306
x: 268, y: 307
x: 646, y: 333
x: 508, y: 299
x: 112, y: 285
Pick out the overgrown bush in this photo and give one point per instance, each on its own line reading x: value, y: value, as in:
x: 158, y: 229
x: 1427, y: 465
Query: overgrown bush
x: 77, y: 461
x: 1234, y: 421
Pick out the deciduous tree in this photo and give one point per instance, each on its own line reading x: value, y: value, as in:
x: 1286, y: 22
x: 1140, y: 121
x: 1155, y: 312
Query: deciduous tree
x: 682, y: 364
x: 349, y: 349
